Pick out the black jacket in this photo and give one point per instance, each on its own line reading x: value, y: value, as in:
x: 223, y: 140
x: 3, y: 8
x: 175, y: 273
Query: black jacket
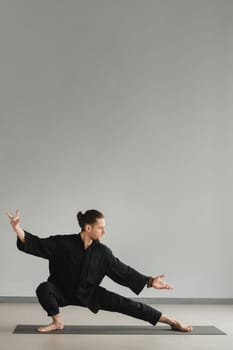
x: 78, y: 271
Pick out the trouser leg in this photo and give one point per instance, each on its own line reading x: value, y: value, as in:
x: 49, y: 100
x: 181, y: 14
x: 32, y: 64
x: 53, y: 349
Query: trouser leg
x: 50, y: 297
x: 111, y: 301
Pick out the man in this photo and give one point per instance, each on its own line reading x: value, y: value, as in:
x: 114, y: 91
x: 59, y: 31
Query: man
x: 77, y: 265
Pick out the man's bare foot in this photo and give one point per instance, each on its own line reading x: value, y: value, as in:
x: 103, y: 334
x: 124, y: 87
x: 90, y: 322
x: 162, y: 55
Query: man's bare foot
x: 57, y: 324
x: 51, y: 327
x: 176, y: 325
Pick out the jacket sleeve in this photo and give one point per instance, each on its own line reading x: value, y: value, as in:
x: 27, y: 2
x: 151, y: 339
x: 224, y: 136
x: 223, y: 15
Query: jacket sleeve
x: 124, y: 274
x: 41, y: 247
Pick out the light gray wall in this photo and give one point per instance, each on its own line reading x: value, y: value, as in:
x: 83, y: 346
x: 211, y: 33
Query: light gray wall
x: 126, y: 107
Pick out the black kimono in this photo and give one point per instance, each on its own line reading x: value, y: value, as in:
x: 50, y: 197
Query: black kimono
x: 76, y: 272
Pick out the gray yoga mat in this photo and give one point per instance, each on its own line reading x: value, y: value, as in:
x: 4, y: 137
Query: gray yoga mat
x: 104, y: 329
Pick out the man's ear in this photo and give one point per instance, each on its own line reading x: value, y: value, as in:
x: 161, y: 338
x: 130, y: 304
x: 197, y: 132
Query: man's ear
x: 88, y: 227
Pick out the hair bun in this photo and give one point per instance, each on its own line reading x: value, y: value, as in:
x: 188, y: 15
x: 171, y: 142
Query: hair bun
x: 80, y: 217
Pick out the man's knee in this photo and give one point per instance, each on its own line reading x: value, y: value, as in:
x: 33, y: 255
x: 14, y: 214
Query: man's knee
x: 42, y: 289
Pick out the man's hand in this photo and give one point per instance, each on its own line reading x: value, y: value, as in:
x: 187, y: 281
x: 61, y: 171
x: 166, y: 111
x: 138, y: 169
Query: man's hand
x: 158, y: 283
x: 14, y: 221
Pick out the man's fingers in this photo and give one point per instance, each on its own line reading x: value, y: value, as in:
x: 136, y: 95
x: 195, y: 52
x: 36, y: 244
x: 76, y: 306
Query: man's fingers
x: 10, y: 216
x: 168, y: 286
x: 17, y: 212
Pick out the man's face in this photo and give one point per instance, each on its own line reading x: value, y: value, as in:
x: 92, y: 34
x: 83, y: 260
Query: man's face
x: 97, y: 230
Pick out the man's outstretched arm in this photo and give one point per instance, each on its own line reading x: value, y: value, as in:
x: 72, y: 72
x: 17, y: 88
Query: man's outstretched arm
x: 32, y: 244
x: 124, y: 274
x: 129, y: 277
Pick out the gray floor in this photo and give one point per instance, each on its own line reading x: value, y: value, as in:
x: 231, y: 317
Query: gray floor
x: 220, y: 316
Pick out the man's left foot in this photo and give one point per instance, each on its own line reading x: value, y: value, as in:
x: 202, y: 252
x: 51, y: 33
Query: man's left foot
x: 51, y: 327
x: 178, y: 326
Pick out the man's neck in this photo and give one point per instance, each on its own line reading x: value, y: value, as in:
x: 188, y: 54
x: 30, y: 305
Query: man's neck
x: 86, y: 239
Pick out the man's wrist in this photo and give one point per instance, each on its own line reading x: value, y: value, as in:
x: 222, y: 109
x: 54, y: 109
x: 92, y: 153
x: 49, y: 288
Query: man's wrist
x: 20, y: 234
x: 149, y: 282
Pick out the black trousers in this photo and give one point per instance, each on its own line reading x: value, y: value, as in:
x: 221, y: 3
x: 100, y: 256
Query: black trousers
x: 51, y: 298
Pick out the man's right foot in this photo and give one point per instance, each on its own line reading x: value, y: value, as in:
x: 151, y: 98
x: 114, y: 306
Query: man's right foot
x: 178, y: 326
x: 51, y: 327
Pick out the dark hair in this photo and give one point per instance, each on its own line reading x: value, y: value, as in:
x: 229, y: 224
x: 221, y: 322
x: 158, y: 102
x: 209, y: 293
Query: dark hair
x: 88, y: 218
